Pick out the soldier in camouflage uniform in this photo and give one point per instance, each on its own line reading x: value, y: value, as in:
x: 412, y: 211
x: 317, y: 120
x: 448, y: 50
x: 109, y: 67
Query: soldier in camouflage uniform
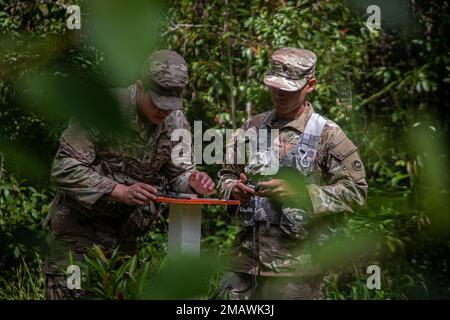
x: 106, y: 183
x: 272, y: 255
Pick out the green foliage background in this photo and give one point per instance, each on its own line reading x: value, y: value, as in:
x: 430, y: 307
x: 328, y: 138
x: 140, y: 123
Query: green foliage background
x: 398, y: 76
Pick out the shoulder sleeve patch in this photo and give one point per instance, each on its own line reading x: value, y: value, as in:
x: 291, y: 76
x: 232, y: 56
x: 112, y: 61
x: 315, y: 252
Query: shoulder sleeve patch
x: 343, y: 149
x: 354, y: 166
x: 345, y: 155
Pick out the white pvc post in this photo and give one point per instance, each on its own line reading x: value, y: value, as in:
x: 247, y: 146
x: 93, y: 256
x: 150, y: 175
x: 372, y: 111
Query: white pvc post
x: 184, y: 229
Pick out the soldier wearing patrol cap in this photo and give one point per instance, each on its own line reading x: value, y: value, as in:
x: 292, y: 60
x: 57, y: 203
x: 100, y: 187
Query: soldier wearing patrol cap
x: 272, y: 253
x: 106, y: 184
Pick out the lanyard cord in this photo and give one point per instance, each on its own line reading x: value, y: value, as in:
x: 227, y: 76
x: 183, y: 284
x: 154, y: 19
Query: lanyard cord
x: 255, y: 250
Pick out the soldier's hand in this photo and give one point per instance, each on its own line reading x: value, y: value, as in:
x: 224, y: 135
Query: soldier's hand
x: 241, y: 191
x: 201, y: 183
x: 136, y: 194
x: 276, y: 188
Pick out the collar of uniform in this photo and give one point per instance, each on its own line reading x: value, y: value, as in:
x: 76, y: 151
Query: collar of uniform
x: 139, y: 122
x: 297, y: 123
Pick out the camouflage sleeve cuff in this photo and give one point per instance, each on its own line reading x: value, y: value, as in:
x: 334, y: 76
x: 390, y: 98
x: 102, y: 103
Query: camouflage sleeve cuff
x: 107, y: 186
x: 103, y: 188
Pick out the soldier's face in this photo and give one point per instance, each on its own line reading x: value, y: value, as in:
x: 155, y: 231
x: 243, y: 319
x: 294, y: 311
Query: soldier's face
x: 153, y: 113
x: 146, y: 106
x: 287, y: 103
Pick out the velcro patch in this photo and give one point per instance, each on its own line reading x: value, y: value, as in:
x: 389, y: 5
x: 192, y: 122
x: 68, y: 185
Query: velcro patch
x: 343, y: 149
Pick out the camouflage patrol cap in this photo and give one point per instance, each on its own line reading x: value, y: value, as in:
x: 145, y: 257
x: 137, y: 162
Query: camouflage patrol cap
x: 291, y: 69
x: 165, y: 75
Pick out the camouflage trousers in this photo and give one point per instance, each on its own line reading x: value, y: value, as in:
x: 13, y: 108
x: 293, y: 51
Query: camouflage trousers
x: 56, y: 265
x: 56, y: 287
x: 238, y: 286
x: 75, y: 233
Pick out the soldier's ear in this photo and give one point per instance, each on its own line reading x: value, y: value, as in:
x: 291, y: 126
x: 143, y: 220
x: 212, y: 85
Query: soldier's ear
x: 138, y: 87
x: 311, y: 85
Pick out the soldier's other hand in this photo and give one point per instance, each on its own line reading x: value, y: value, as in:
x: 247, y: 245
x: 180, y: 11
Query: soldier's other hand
x: 276, y: 188
x: 241, y: 191
x: 201, y: 183
x: 136, y: 194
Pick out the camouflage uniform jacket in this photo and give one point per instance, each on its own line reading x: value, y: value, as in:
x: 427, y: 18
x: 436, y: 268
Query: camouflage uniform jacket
x: 339, y: 184
x: 88, y: 165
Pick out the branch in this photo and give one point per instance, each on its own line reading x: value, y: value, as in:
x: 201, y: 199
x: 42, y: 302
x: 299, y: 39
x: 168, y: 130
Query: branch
x: 379, y: 93
x: 183, y: 25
